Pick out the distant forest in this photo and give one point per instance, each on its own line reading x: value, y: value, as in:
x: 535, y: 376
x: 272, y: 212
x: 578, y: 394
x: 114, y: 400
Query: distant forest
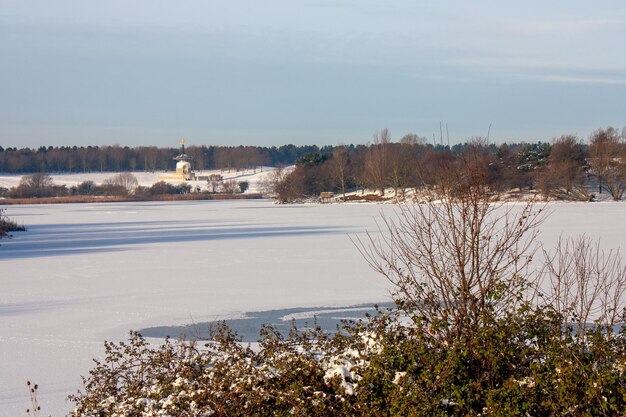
x: 146, y: 158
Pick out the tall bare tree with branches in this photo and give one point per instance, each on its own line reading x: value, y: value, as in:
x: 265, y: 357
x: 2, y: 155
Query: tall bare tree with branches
x: 457, y: 259
x: 607, y: 157
x: 340, y: 167
x: 585, y: 285
x: 376, y: 161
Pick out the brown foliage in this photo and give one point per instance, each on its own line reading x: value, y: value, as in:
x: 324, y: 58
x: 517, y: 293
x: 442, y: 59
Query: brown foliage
x: 607, y: 158
x: 376, y: 160
x: 564, y: 177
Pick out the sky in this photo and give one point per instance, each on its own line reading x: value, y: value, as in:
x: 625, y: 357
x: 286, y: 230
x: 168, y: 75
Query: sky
x: 325, y: 72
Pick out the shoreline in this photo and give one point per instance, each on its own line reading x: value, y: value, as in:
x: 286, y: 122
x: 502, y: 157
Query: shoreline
x: 123, y: 199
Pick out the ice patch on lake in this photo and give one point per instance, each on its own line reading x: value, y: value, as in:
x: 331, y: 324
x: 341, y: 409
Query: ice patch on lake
x: 249, y: 325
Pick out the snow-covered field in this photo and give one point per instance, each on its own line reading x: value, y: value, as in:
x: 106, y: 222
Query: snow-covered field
x: 84, y: 273
x: 146, y: 179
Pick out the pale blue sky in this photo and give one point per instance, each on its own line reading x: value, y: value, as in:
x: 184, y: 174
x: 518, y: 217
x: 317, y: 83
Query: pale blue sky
x: 146, y: 72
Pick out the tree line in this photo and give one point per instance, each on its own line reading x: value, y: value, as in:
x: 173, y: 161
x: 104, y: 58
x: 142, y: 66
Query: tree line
x: 145, y: 158
x: 567, y: 168
x: 562, y: 169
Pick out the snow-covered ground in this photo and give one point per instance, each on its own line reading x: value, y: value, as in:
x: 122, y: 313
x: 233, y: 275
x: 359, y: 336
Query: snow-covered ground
x: 253, y: 176
x: 83, y: 273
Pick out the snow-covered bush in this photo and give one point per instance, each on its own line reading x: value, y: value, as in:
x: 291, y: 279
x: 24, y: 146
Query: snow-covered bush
x: 520, y: 364
x: 220, y: 378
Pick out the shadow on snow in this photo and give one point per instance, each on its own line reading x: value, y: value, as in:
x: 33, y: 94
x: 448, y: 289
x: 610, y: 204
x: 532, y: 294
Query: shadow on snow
x: 54, y: 240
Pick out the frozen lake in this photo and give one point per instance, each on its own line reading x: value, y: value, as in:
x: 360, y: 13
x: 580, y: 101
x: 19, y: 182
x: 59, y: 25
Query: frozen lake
x: 90, y: 272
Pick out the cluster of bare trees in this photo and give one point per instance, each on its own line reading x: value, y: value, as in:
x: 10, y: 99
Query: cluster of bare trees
x: 573, y: 166
x: 585, y: 283
x: 36, y: 185
x: 567, y: 168
x: 456, y: 257
x: 462, y: 258
x: 217, y: 184
x: 607, y: 158
x: 564, y: 174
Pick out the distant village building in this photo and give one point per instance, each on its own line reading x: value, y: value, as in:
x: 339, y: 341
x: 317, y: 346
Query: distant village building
x: 183, y: 167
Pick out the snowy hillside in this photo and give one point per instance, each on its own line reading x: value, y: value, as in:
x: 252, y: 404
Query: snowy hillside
x: 253, y: 176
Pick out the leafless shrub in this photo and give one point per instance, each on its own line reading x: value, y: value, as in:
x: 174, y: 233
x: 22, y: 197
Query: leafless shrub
x: 230, y: 187
x: 607, y: 157
x: 563, y: 178
x: 214, y: 181
x: 271, y: 180
x: 457, y: 259
x: 340, y: 168
x: 586, y: 284
x: 7, y: 225
x: 124, y: 181
x: 36, y: 185
x: 376, y: 161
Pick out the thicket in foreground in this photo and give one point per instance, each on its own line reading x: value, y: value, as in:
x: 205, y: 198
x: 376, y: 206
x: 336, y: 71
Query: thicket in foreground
x: 474, y: 333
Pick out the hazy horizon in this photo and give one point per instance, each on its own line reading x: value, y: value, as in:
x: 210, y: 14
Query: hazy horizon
x: 312, y: 72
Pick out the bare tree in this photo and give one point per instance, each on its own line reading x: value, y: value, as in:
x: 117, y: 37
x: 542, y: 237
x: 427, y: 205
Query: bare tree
x: 413, y: 140
x: 150, y: 156
x: 585, y: 285
x: 340, y: 167
x: 432, y: 167
x: 399, y: 166
x: 376, y: 161
x: 230, y: 187
x: 214, y: 181
x: 35, y: 185
x: 37, y: 181
x: 564, y: 176
x: 124, y: 181
x: 457, y: 259
x: 271, y: 180
x: 476, y: 163
x: 607, y: 154
x: 616, y: 177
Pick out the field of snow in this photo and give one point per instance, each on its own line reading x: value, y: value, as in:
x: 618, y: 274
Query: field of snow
x: 83, y: 273
x: 253, y: 176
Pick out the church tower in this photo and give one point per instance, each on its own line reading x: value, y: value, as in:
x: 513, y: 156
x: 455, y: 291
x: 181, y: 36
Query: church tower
x: 183, y: 166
